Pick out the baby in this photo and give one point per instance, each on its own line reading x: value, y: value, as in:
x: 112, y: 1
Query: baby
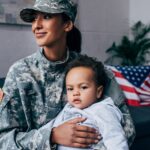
x: 85, y: 81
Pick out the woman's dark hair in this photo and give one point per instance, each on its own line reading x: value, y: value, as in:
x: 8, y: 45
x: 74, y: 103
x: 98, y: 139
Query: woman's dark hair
x: 100, y: 76
x: 74, y: 37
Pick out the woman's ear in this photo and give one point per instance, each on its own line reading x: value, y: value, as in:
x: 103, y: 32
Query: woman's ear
x: 99, y: 91
x: 68, y: 26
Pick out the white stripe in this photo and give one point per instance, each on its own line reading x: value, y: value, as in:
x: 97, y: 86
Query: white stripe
x: 144, y: 103
x: 130, y: 95
x: 146, y: 88
x: 142, y: 91
x: 123, y: 81
x: 144, y: 97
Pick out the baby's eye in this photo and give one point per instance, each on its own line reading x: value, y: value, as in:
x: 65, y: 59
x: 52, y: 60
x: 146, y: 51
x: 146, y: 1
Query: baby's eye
x: 69, y: 89
x: 84, y: 87
x: 47, y: 16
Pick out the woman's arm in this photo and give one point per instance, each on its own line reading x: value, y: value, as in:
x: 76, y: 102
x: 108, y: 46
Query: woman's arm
x: 16, y: 131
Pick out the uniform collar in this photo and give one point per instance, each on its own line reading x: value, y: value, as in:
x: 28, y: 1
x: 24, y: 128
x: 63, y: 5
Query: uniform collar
x: 47, y: 64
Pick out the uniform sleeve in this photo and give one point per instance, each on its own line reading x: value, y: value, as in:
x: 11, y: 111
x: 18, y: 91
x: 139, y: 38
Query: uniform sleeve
x: 15, y: 130
x: 114, y: 91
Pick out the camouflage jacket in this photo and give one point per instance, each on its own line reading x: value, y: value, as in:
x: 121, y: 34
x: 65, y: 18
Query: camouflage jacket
x: 34, y: 90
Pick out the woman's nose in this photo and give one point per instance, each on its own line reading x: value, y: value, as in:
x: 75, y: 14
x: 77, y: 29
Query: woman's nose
x: 37, y: 23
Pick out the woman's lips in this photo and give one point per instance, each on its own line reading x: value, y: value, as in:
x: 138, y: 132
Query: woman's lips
x: 40, y: 34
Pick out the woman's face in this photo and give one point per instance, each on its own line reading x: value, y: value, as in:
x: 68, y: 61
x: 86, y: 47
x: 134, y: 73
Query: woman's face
x: 49, y: 29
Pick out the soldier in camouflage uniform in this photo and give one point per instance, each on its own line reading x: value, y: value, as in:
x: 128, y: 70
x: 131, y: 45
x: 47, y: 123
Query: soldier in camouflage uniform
x: 34, y: 87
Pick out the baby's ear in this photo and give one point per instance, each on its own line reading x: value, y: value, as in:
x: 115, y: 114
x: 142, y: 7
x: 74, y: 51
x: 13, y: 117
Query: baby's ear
x: 99, y: 91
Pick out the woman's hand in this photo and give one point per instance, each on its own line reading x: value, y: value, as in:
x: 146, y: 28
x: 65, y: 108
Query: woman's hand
x: 72, y: 134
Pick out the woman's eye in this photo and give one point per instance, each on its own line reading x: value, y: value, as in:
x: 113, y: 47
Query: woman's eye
x: 47, y: 16
x: 34, y: 17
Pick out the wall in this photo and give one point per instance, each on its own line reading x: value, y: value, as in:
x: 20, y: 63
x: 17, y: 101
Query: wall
x: 140, y: 13
x: 15, y: 42
x: 139, y: 10
x: 101, y: 22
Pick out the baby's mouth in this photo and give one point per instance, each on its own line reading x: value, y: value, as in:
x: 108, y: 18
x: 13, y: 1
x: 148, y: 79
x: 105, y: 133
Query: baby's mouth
x: 76, y: 101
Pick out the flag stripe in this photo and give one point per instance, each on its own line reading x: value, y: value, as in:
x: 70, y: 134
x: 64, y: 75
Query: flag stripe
x: 130, y: 95
x: 146, y: 84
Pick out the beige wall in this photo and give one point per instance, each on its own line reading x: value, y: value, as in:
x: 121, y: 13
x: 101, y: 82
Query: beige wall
x: 15, y: 42
x: 101, y: 23
x: 139, y: 10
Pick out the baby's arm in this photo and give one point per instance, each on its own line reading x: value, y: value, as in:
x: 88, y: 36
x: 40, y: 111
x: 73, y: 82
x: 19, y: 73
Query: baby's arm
x: 109, y: 118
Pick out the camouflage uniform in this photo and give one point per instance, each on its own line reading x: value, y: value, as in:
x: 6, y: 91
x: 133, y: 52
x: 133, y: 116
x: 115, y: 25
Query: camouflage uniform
x: 33, y: 97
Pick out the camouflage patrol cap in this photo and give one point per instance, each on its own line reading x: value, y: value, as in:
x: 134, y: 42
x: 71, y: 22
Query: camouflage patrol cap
x: 50, y: 6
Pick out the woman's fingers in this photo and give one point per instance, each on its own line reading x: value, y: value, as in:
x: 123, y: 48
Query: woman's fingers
x: 85, y: 128
x: 86, y: 141
x: 88, y: 135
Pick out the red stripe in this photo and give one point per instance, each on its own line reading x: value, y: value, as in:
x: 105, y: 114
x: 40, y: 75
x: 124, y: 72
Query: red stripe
x: 118, y: 74
x: 136, y: 103
x: 133, y: 102
x: 146, y: 84
x: 128, y: 89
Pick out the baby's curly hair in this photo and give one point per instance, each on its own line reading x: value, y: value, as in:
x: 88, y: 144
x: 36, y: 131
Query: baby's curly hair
x: 100, y: 76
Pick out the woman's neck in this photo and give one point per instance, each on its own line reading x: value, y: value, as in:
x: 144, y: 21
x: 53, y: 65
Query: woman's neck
x: 55, y: 53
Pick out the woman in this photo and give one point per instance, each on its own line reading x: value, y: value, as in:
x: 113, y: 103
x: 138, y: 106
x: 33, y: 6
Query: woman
x: 33, y: 90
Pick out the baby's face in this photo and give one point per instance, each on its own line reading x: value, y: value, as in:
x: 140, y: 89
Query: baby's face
x: 82, y: 90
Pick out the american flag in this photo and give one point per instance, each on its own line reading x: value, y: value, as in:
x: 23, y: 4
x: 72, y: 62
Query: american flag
x: 135, y: 83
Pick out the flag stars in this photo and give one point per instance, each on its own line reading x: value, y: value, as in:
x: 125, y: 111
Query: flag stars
x: 127, y: 77
x: 125, y: 72
x: 140, y: 70
x: 131, y: 73
x: 136, y: 74
x: 135, y: 83
x: 138, y: 79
